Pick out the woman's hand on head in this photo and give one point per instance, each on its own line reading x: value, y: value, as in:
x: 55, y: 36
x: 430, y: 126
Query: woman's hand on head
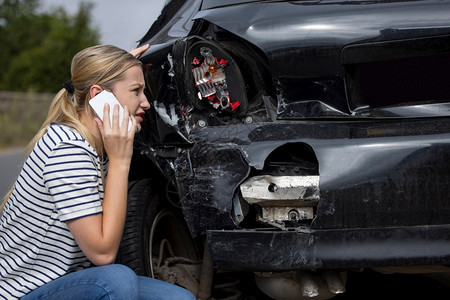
x: 137, y: 52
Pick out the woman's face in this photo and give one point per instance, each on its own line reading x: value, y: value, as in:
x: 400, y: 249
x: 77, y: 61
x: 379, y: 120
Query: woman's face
x: 130, y: 91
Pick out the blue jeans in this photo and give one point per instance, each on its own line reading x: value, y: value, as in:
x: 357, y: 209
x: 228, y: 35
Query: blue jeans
x: 108, y: 282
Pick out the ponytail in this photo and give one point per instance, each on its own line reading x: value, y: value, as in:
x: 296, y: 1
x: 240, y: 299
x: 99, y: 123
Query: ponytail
x: 62, y: 110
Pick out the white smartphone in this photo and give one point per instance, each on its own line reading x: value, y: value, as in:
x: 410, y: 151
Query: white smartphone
x: 98, y: 102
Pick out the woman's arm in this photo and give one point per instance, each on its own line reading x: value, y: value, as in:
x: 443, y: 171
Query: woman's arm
x: 99, y: 235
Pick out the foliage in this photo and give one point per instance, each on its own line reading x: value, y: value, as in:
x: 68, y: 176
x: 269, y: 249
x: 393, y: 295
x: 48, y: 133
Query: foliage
x: 37, y: 48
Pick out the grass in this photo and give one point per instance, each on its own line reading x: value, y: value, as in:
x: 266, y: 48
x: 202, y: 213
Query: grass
x: 21, y: 116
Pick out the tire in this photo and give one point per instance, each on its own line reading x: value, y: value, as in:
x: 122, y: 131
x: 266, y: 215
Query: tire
x: 142, y: 206
x: 151, y: 219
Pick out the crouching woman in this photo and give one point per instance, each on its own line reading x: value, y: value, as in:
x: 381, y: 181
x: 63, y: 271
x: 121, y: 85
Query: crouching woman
x: 62, y: 222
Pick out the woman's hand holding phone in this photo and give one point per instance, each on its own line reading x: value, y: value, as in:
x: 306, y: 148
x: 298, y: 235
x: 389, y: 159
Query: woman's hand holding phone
x: 98, y: 102
x: 117, y: 134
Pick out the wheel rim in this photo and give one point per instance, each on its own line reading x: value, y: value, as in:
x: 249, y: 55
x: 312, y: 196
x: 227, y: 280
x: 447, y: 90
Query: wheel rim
x: 182, y: 237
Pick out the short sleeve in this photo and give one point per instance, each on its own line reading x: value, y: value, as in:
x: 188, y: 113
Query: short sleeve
x: 73, y: 178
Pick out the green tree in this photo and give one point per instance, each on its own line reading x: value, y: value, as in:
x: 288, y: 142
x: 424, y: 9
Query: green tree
x: 37, y: 48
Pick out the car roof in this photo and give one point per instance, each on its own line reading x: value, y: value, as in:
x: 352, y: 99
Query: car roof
x: 209, y: 4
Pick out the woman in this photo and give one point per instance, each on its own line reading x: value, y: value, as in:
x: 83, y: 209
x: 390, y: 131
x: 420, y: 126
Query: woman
x: 66, y: 211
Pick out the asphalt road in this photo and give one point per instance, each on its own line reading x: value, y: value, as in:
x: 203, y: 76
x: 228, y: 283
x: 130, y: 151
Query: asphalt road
x: 10, y: 164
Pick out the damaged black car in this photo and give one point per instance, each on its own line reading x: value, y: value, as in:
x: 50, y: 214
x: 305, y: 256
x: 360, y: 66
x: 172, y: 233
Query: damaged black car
x: 291, y: 142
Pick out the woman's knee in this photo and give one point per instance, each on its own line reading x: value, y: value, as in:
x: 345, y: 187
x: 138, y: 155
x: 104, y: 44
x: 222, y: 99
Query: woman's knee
x: 119, y: 281
x: 156, y: 289
x: 119, y: 274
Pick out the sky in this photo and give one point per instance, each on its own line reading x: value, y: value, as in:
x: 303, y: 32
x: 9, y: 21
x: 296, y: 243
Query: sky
x: 120, y: 22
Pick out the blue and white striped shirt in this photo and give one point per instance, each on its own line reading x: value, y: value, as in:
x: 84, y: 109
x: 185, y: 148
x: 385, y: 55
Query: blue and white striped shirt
x: 61, y: 180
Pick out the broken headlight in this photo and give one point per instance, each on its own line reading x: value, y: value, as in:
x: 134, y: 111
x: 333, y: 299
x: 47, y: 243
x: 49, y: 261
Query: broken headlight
x: 214, y: 78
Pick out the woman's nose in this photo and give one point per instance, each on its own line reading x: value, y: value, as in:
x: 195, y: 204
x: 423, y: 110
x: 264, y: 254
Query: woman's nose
x: 144, y: 102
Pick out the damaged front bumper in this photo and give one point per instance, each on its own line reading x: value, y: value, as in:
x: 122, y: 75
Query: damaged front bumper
x: 277, y: 251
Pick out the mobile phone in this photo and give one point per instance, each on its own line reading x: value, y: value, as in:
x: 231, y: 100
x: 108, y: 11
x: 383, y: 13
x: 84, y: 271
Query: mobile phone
x: 98, y: 102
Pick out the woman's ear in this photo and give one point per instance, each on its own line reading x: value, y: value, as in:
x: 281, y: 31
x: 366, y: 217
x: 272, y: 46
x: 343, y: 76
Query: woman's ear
x: 95, y: 90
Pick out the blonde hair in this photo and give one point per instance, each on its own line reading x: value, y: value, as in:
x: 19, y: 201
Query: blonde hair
x: 101, y: 65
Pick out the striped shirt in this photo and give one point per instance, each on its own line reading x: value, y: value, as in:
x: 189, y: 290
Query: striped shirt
x: 61, y: 180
